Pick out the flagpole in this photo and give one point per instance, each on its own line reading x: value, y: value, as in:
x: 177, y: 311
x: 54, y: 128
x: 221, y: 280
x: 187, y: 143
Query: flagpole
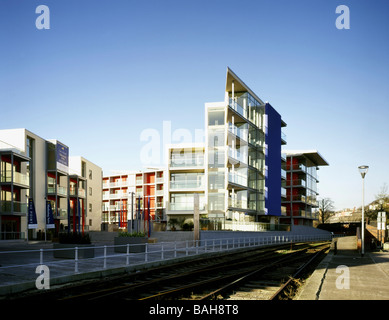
x: 46, y: 219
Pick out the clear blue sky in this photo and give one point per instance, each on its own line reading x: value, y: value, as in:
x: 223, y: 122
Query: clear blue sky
x: 107, y: 70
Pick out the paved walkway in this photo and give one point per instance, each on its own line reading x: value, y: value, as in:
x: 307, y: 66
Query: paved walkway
x: 345, y: 275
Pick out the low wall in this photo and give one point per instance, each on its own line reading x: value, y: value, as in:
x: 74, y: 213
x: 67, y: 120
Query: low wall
x: 296, y: 230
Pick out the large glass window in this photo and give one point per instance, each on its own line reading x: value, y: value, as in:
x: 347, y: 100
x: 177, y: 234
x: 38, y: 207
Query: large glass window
x: 186, y: 158
x: 216, y: 201
x: 216, y: 180
x: 191, y: 180
x: 215, y: 117
x: 185, y: 201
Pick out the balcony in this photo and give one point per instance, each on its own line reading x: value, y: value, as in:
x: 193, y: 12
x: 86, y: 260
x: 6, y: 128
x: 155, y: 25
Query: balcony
x: 159, y: 193
x: 296, y: 167
x: 118, y: 183
x: 296, y: 198
x: 238, y: 108
x: 61, y: 191
x: 237, y: 178
x: 159, y: 180
x: 74, y: 192
x: 240, y: 132
x: 18, y: 207
x: 237, y: 155
x: 187, y: 162
x: 296, y: 183
x: 61, y: 214
x: 118, y: 195
x: 235, y: 203
x: 297, y: 213
x: 185, y: 206
x: 18, y: 178
x: 283, y: 192
x: 283, y: 138
x: 188, y: 184
x: 283, y: 174
x: 159, y: 204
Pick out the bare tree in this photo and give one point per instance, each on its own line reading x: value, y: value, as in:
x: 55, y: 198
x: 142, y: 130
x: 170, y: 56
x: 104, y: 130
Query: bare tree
x: 326, y: 207
x: 383, y: 193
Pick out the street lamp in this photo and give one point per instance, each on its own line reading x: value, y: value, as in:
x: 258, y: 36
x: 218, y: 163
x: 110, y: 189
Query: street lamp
x: 363, y: 170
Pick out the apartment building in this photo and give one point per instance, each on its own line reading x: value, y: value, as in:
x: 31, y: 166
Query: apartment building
x: 237, y: 171
x: 85, y: 185
x: 35, y: 168
x: 301, y: 186
x: 127, y: 193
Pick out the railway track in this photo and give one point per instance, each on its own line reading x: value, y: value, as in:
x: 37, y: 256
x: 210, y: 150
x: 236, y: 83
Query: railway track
x: 204, y: 278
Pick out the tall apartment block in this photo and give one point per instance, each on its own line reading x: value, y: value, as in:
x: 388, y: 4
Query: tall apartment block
x: 301, y: 186
x: 36, y: 168
x: 124, y: 192
x: 237, y: 171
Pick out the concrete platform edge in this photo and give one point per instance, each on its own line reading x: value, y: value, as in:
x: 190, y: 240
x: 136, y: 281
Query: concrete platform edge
x: 312, y: 287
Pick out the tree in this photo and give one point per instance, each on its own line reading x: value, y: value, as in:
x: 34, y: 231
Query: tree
x: 326, y: 207
x: 383, y: 193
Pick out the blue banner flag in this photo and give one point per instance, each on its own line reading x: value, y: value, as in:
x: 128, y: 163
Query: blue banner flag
x: 32, y: 222
x: 49, y: 216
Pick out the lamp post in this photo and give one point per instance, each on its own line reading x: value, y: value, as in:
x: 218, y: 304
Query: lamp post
x: 363, y: 170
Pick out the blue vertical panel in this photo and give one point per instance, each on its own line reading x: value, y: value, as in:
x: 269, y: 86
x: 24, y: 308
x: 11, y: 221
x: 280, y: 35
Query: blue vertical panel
x: 273, y: 161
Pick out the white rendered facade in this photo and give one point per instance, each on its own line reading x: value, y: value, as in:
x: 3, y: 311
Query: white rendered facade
x: 44, y: 166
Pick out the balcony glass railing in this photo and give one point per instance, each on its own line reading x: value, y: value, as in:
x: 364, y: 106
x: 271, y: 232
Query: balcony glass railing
x: 297, y: 198
x: 18, y: 177
x: 187, y: 184
x: 297, y: 167
x: 184, y: 206
x: 235, y: 203
x: 160, y: 180
x: 62, y: 213
x: 297, y: 182
x: 186, y: 162
x: 19, y: 207
x: 237, y: 178
x: 159, y: 192
x: 63, y: 191
x: 238, y: 108
x: 283, y: 136
x: 237, y: 155
x: 283, y: 174
x: 241, y: 132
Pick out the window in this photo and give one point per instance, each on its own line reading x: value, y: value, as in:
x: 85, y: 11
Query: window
x: 90, y: 174
x: 90, y: 207
x: 83, y: 169
x: 90, y: 191
x: 90, y: 222
x: 215, y: 117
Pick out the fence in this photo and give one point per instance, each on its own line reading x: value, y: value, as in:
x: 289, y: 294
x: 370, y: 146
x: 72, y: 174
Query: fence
x: 22, y: 264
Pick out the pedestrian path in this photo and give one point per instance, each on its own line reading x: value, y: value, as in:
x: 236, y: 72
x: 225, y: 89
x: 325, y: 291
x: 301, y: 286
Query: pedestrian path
x: 346, y: 275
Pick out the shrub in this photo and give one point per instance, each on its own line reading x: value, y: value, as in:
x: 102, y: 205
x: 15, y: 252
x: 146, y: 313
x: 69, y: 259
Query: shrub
x: 188, y: 226
x: 133, y: 234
